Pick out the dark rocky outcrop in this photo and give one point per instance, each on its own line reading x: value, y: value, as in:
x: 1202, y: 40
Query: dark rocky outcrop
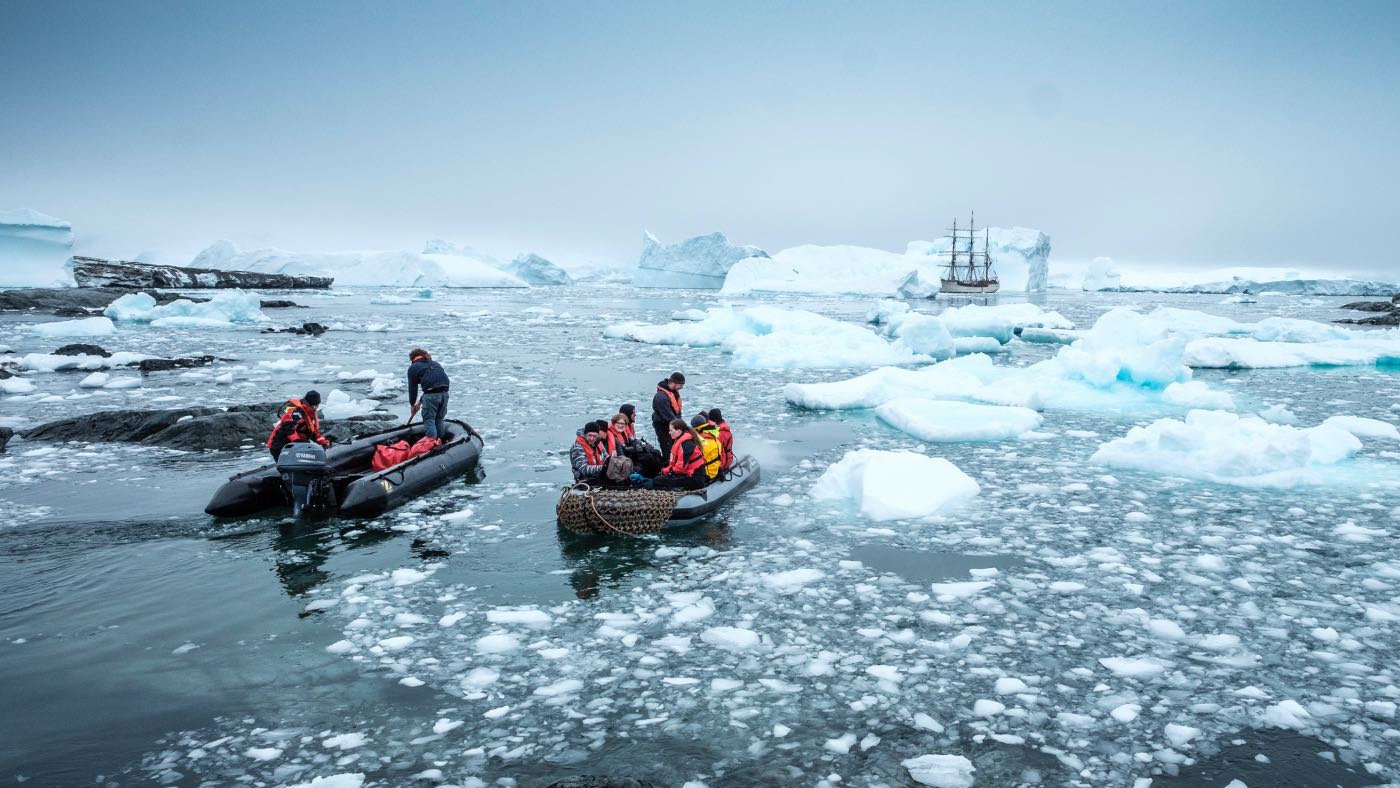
x: 5, y: 434
x: 89, y: 301
x: 81, y: 349
x: 277, y: 303
x: 163, y: 364
x: 306, y: 329
x: 190, y: 429
x: 94, y: 272
x: 1389, y: 312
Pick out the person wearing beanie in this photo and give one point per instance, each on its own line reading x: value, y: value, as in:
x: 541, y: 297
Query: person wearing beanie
x: 666, y: 408
x: 428, y: 374
x: 298, y: 422
x: 589, y: 455
x: 726, y: 438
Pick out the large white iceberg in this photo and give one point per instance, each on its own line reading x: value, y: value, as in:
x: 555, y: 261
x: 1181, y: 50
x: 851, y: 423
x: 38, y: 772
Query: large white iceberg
x: 769, y: 337
x: 223, y: 310
x: 1230, y: 449
x: 1102, y: 275
x: 535, y: 270
x: 34, y: 249
x: 82, y: 327
x: 945, y: 420
x: 362, y: 269
x: 894, y: 485
x: 700, y: 262
x: 1367, y: 348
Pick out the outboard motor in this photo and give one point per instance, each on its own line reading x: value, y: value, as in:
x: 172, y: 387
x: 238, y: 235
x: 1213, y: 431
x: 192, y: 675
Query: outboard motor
x: 307, y: 477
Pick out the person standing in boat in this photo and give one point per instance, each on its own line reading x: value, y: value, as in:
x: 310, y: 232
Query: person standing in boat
x: 666, y: 408
x: 298, y: 423
x: 432, y: 378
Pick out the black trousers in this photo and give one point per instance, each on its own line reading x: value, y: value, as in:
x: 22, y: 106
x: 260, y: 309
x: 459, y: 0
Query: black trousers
x: 668, y: 482
x: 663, y: 439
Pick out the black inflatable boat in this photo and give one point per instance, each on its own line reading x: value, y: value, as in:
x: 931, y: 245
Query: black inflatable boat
x: 339, y: 480
x: 742, y: 476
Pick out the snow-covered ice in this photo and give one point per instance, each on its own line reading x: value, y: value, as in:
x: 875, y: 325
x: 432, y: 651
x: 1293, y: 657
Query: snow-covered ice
x: 223, y: 309
x: 82, y: 327
x: 947, y: 420
x: 894, y: 485
x: 699, y: 262
x: 362, y: 268
x: 34, y: 249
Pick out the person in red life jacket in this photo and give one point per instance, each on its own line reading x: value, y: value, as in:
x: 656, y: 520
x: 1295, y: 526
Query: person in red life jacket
x: 297, y: 423
x: 686, y: 471
x: 589, y: 454
x: 630, y: 411
x: 617, y: 436
x: 666, y: 408
x: 726, y: 438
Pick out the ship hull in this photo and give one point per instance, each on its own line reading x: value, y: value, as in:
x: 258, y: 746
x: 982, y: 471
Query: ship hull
x: 953, y: 286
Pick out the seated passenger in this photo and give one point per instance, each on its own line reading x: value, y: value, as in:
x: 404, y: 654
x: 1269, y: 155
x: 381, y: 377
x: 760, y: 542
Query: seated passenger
x: 297, y: 423
x: 726, y: 439
x: 630, y: 411
x: 686, y: 470
x: 709, y: 444
x: 588, y: 456
x: 616, y: 436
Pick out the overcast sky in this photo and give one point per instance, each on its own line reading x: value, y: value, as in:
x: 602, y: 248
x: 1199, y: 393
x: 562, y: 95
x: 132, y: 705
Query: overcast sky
x: 1259, y: 133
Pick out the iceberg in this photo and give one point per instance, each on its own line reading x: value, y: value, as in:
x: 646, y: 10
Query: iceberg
x: 700, y: 262
x: 1373, y: 347
x: 766, y: 337
x: 84, y: 327
x: 944, y: 420
x: 34, y: 248
x: 845, y: 270
x: 224, y: 309
x: 361, y: 269
x: 894, y: 485
x: 1222, y: 447
x: 1227, y: 281
x: 535, y: 270
x: 1102, y: 275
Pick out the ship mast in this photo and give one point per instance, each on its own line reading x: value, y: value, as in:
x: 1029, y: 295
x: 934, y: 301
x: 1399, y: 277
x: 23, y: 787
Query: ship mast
x: 972, y: 248
x: 987, y: 256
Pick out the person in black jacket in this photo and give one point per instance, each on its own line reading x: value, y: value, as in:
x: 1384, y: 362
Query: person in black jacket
x: 428, y: 374
x: 666, y: 408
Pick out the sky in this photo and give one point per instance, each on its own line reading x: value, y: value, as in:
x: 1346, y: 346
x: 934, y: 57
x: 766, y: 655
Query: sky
x: 1182, y: 133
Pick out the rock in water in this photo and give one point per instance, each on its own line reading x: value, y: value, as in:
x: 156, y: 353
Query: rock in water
x: 701, y: 262
x: 189, y: 429
x: 306, y: 329
x: 5, y: 434
x: 163, y: 364
x: 34, y: 247
x: 81, y: 349
x: 93, y: 272
x: 1371, y: 306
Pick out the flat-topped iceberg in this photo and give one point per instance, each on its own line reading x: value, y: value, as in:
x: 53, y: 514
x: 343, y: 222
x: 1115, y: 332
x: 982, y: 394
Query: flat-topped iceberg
x: 1104, y: 274
x: 1226, y: 448
x: 34, y: 248
x: 364, y: 269
x: 894, y: 485
x: 82, y: 327
x: 700, y: 262
x: 939, y: 421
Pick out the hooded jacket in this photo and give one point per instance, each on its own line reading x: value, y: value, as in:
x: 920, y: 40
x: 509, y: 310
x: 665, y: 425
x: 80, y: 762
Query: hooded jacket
x: 588, y: 462
x: 665, y: 404
x: 426, y: 373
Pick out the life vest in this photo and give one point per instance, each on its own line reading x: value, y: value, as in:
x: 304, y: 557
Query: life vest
x: 674, y: 397
x: 726, y: 442
x: 710, y: 449
x: 593, y: 453
x: 630, y: 431
x: 298, y: 423
x: 686, y: 458
x: 616, y: 439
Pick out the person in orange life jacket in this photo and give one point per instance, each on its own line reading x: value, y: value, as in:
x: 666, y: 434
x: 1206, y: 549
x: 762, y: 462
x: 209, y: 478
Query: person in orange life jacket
x: 589, y: 456
x: 630, y: 411
x: 621, y: 438
x: 424, y: 372
x: 297, y: 423
x: 686, y: 471
x: 666, y: 408
x: 617, y: 436
x: 726, y: 438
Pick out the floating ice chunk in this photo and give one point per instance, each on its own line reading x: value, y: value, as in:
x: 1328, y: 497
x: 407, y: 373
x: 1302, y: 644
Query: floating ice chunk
x: 1363, y: 427
x: 1008, y: 685
x: 95, y: 381
x: 944, y: 420
x: 1287, y: 329
x: 339, y: 405
x: 1230, y: 449
x: 1132, y: 668
x: 841, y: 744
x: 1126, y: 712
x: 961, y: 378
x: 925, y: 722
x: 699, y: 610
x: 345, y: 741
x: 1351, y: 532
x: 451, y: 619
x: 263, y: 753
x: 411, y: 681
x: 725, y: 685
x: 559, y: 688
x: 731, y: 638
x: 1196, y: 394
x: 793, y: 579
x: 496, y: 713
x: 480, y: 678
x: 940, y: 771
x: 1179, y: 736
x: 988, y: 708
x: 780, y: 730
x: 1209, y: 563
x: 82, y: 327
x: 343, y: 780
x: 885, y: 310
x: 536, y: 619
x: 1278, y: 414
x: 960, y: 590
x: 397, y: 643
x: 341, y: 647
x: 1287, y: 713
x: 16, y: 386
x: 1166, y: 630
x: 497, y: 644
x: 443, y: 725
x: 892, y: 485
x: 1249, y: 353
x: 407, y: 576
x: 224, y: 308
x: 1124, y: 346
x: 888, y: 673
x: 1066, y: 586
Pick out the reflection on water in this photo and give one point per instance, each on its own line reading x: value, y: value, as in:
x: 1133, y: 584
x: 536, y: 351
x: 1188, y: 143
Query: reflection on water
x: 599, y: 562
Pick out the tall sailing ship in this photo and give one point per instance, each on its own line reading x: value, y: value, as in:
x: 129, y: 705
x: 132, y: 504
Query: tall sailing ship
x: 967, y: 269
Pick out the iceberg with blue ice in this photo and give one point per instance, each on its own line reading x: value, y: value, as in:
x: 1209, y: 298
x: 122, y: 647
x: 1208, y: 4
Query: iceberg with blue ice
x: 535, y: 270
x: 701, y: 262
x: 34, y: 249
x: 226, y: 308
x: 938, y: 421
x: 362, y: 268
x: 894, y: 485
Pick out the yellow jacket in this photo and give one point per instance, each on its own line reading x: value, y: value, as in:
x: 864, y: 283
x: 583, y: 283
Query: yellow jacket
x: 710, y: 446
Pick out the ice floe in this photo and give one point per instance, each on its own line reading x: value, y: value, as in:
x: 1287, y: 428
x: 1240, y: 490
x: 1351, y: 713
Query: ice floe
x: 222, y: 310
x: 82, y: 327
x: 894, y: 485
